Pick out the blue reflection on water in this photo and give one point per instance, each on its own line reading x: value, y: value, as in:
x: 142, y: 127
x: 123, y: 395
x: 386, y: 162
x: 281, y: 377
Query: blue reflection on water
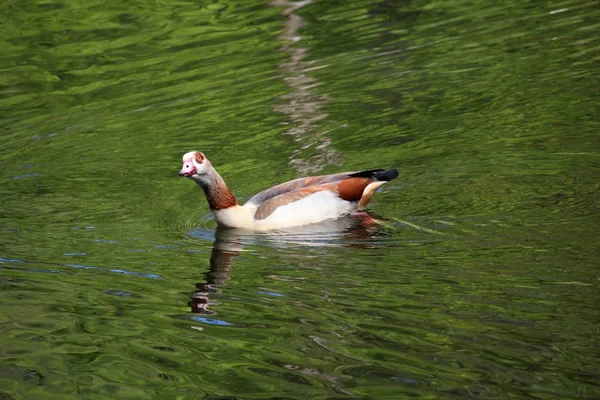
x: 271, y: 294
x: 78, y: 266
x: 210, y: 321
x: 122, y: 271
x: 103, y: 241
x: 26, y: 175
x: 10, y: 260
x: 122, y: 293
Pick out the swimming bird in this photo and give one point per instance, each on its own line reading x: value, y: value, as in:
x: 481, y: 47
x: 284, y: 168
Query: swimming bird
x: 298, y: 202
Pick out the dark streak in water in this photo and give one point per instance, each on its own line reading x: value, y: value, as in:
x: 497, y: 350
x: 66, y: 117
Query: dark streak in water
x: 46, y: 271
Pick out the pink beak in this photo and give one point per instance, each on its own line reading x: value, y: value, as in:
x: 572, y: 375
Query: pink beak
x: 188, y: 172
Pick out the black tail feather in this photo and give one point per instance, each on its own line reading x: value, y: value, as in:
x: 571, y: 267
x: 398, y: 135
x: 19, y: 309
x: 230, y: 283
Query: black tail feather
x: 379, y: 174
x: 387, y: 175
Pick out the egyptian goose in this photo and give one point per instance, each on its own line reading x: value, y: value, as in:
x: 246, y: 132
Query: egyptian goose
x: 298, y: 202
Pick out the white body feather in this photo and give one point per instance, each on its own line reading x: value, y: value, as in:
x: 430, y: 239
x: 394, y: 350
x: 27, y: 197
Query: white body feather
x: 317, y: 207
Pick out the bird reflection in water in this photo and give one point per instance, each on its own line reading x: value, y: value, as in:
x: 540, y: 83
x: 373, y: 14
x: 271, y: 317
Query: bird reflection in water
x: 357, y: 230
x: 227, y: 245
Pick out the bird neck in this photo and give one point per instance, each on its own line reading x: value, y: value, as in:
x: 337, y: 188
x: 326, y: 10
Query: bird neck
x: 217, y: 193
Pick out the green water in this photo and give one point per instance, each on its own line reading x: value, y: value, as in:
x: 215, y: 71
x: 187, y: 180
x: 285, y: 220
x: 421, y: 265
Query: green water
x: 481, y: 281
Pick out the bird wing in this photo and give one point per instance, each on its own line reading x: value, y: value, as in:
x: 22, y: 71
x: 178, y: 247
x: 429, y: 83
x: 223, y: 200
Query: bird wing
x: 349, y: 189
x: 295, y: 185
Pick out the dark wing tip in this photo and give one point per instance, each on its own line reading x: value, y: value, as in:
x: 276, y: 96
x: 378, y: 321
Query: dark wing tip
x: 370, y: 173
x: 387, y: 175
x: 379, y: 174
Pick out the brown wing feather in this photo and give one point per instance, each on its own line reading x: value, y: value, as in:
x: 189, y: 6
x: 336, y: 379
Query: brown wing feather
x: 296, y: 184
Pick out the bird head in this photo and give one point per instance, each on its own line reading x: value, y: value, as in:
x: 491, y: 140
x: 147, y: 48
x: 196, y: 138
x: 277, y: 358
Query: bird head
x: 194, y: 163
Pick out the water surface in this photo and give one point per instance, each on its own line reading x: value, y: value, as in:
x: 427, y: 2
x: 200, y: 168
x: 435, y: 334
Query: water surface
x: 480, y: 279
